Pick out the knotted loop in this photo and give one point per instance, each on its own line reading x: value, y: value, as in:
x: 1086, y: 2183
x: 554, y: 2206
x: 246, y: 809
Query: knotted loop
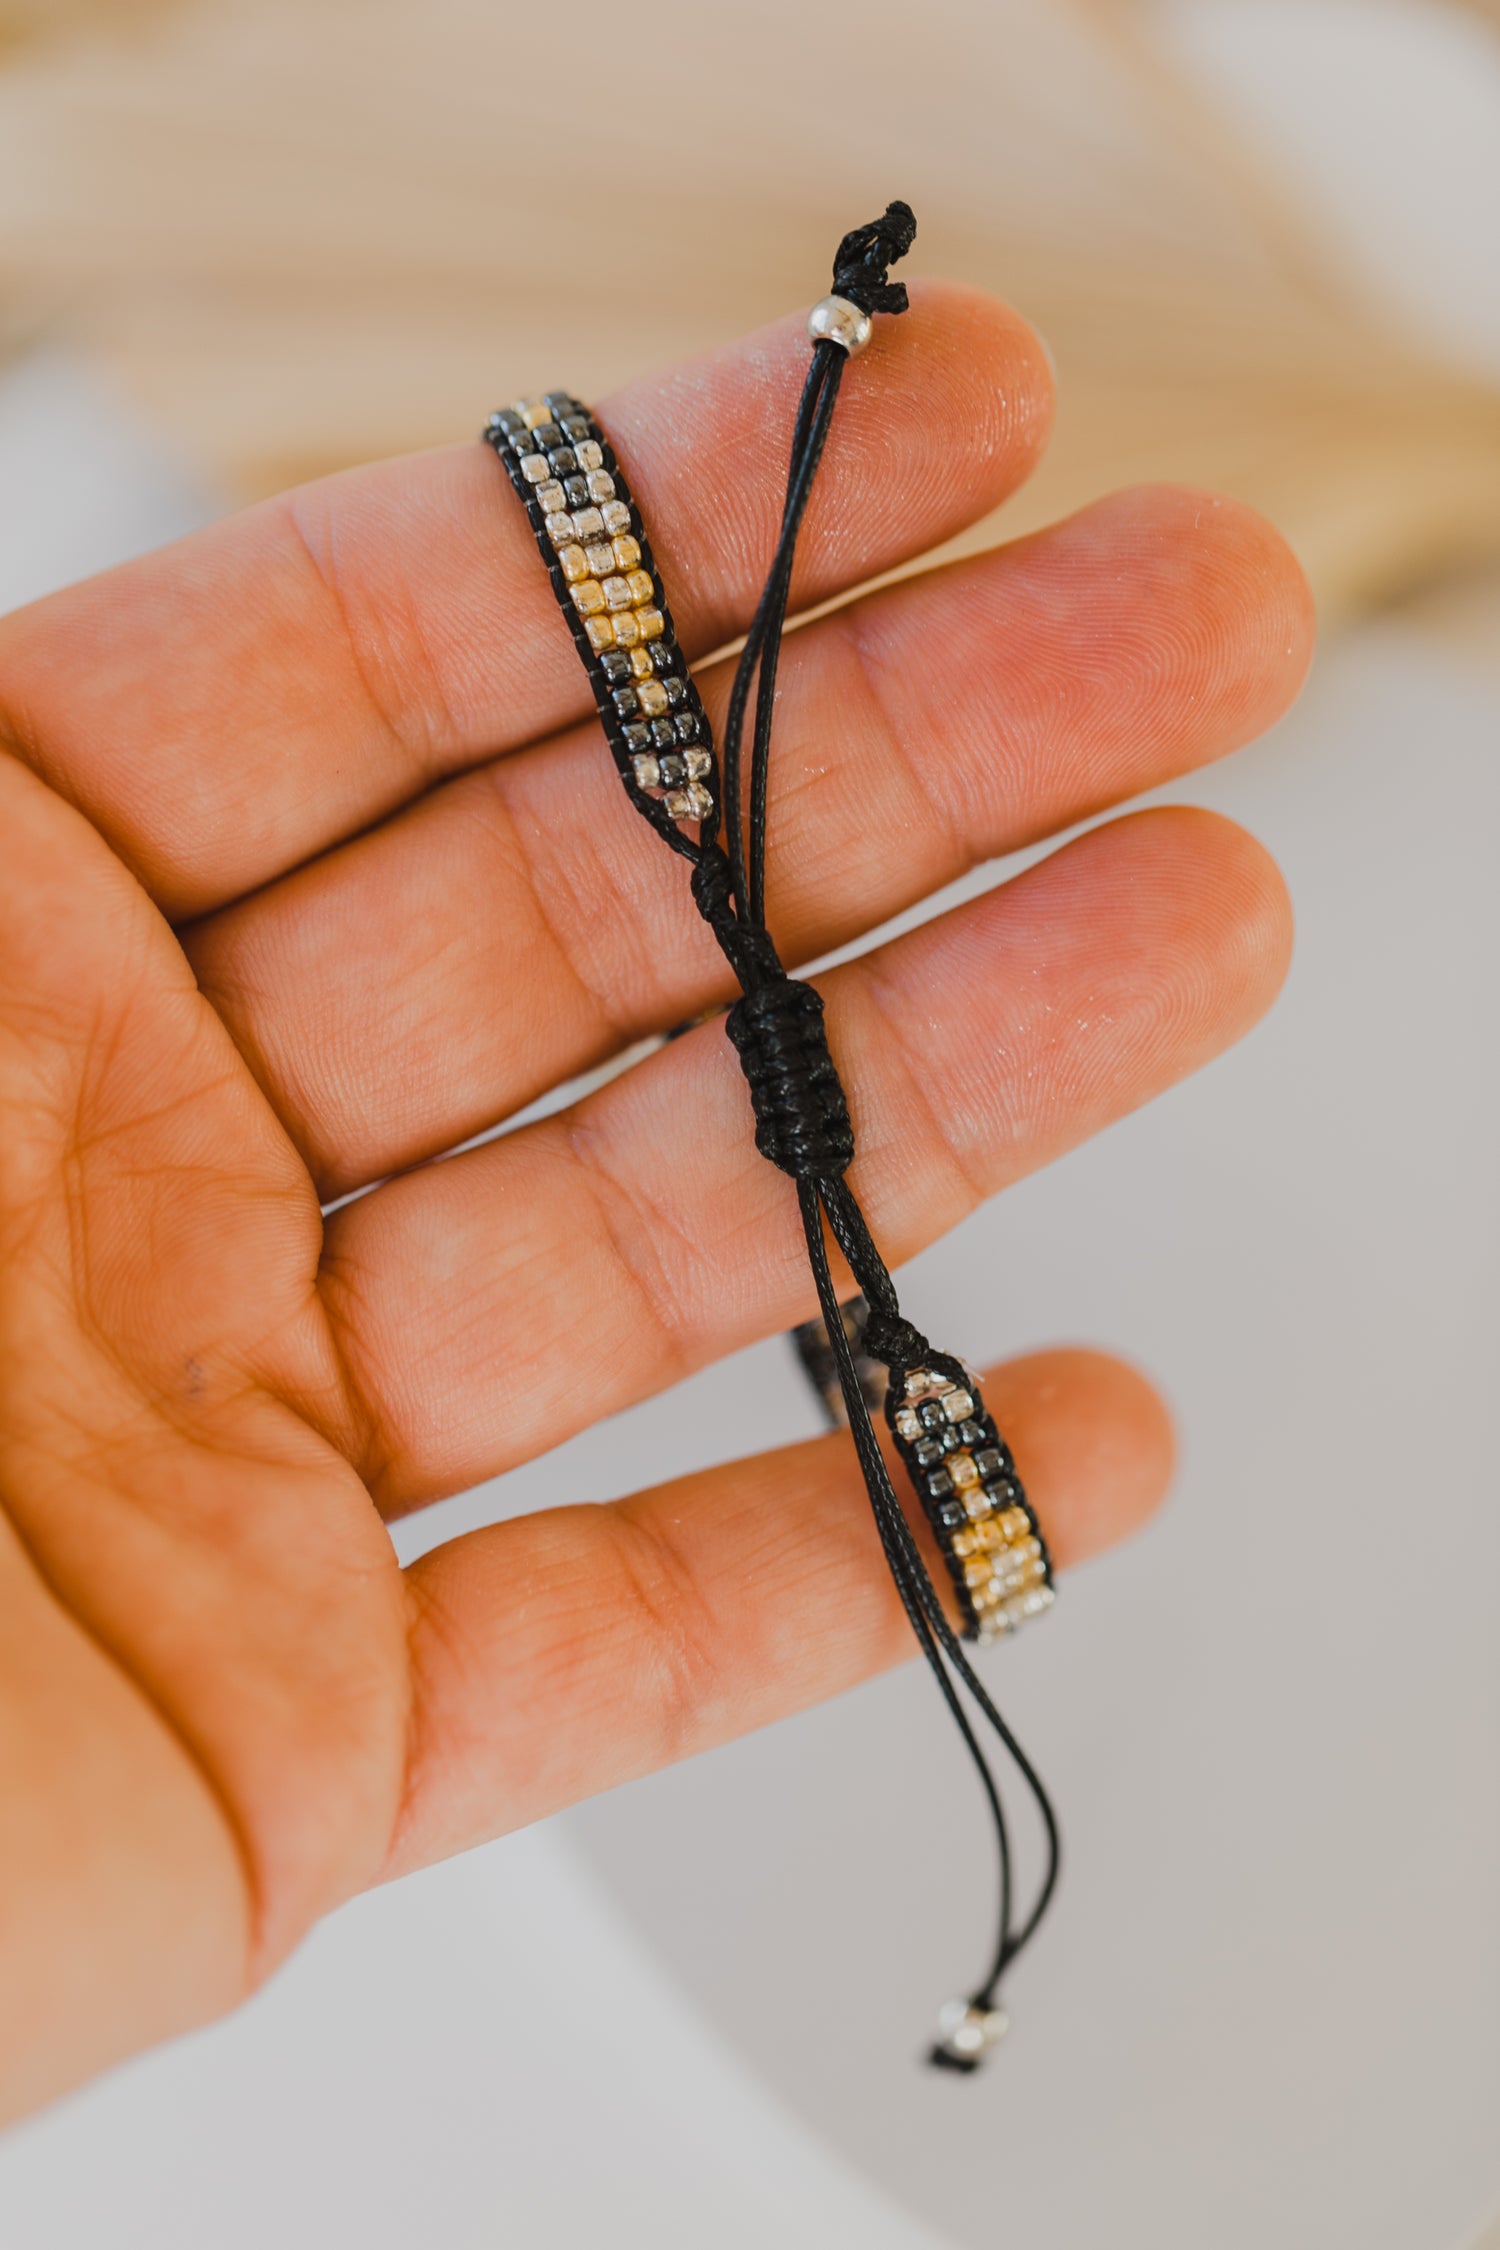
x: 895, y: 1342
x: 865, y: 256
x: 801, y: 1117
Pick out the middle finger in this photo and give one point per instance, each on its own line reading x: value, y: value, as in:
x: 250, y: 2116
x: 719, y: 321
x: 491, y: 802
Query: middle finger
x: 522, y: 923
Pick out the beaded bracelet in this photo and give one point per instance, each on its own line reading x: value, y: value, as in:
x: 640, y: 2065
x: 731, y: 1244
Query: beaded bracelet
x: 596, y: 549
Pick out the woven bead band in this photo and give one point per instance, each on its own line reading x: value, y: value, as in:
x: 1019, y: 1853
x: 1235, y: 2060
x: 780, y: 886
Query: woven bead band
x: 962, y: 1471
x: 966, y: 1481
x: 595, y: 546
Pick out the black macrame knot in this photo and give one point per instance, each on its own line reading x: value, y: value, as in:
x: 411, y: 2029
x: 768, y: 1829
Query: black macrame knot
x: 894, y: 1341
x: 801, y: 1116
x: 748, y: 949
x: 865, y: 255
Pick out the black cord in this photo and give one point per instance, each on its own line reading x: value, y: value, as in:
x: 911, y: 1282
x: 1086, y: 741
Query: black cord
x: 802, y: 1120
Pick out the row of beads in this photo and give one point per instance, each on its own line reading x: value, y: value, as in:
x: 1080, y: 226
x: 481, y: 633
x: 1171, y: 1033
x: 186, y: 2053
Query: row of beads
x: 591, y: 535
x: 967, y: 1482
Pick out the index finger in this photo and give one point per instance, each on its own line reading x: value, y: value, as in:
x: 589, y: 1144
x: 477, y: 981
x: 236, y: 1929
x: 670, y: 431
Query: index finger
x: 229, y: 707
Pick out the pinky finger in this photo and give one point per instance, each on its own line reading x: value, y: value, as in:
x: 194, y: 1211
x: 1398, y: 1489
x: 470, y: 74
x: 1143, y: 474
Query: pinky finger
x: 562, y: 1653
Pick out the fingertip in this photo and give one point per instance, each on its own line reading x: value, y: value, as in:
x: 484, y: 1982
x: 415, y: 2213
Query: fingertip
x: 1232, y: 885
x: 1094, y: 1440
x: 1247, y: 619
x: 1003, y: 378
x: 1201, y: 919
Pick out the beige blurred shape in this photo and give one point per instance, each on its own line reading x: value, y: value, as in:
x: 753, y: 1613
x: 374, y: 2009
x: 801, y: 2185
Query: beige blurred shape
x: 304, y: 232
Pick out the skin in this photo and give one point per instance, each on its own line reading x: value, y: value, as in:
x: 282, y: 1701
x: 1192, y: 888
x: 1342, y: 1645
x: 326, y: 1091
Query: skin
x: 313, y: 865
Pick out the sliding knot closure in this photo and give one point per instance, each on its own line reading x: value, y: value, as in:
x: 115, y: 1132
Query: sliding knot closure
x: 801, y: 1117
x: 865, y: 256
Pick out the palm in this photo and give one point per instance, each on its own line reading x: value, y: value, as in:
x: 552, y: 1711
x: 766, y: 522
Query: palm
x: 314, y: 761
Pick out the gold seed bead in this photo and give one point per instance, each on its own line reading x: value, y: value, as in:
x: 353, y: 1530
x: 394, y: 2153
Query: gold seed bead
x: 627, y: 551
x: 601, y: 558
x: 692, y: 803
x: 698, y: 764
x: 575, y: 564
x: 534, y: 413
x: 1014, y: 1523
x: 627, y: 629
x: 617, y: 593
x: 640, y: 663
x: 977, y: 1501
x: 642, y: 588
x: 652, y: 624
x: 601, y: 632
x: 588, y: 597
x: 962, y: 1470
x: 968, y: 1542
x: 651, y: 695
x: 977, y: 1572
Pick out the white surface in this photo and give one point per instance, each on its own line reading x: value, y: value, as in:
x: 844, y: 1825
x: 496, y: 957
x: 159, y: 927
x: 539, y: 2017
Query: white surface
x: 479, y: 2059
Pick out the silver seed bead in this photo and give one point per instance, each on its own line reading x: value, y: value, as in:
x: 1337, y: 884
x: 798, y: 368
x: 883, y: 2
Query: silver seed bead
x: 839, y: 322
x: 967, y: 2033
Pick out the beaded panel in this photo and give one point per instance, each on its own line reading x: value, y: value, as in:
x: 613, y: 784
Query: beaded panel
x: 605, y: 577
x: 967, y: 1483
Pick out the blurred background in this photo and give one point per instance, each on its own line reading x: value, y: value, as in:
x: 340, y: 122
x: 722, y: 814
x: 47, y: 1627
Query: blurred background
x: 246, y: 241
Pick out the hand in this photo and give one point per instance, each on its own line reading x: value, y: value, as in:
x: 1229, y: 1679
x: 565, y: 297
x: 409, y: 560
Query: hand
x: 315, y: 865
